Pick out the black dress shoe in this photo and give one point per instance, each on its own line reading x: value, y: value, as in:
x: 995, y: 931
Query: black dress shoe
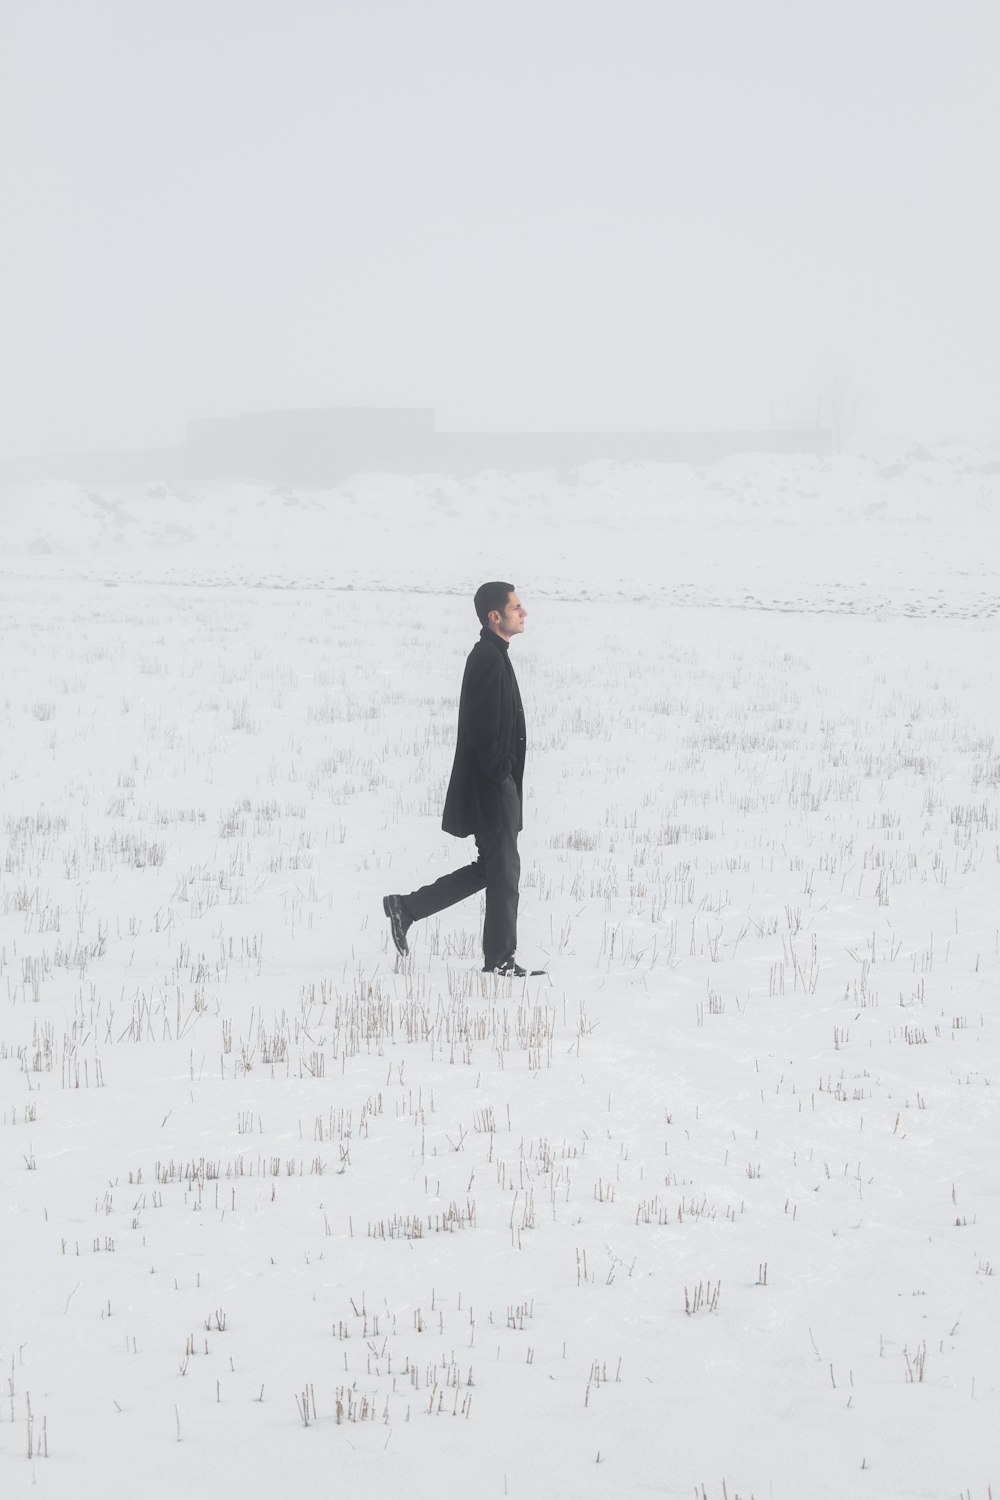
x: 512, y: 970
x: 399, y: 921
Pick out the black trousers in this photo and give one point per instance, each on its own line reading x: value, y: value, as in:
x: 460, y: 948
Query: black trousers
x: 498, y: 870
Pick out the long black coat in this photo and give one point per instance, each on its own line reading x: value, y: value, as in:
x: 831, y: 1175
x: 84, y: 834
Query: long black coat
x: 491, y: 740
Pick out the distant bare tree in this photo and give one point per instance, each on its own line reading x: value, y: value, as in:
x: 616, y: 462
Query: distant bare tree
x: 838, y: 405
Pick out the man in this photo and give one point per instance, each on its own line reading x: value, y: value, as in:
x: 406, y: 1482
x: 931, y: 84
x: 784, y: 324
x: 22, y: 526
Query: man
x: 484, y: 794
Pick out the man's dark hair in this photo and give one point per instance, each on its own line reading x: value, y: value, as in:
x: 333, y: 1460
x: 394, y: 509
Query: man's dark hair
x: 491, y: 596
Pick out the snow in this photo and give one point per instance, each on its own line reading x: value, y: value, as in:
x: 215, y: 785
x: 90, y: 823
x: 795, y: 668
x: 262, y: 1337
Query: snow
x: 908, y: 530
x: 715, y: 1203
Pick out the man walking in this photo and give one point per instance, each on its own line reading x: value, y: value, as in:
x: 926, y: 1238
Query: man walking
x: 484, y: 794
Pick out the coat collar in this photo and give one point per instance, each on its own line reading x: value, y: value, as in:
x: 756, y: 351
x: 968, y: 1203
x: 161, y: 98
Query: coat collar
x: 486, y: 634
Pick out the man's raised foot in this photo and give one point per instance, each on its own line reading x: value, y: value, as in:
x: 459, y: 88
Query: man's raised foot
x: 399, y: 920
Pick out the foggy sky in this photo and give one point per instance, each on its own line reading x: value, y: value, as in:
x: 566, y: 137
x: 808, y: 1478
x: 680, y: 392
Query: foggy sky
x: 525, y: 213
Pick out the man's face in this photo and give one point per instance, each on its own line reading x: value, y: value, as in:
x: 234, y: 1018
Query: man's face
x: 510, y: 620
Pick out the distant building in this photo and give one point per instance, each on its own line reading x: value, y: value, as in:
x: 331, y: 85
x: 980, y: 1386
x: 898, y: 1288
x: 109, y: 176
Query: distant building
x: 324, y: 445
x: 314, y: 445
x: 328, y: 444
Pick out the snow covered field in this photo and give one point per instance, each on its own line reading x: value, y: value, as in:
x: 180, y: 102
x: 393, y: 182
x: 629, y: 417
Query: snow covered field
x: 914, y: 531
x: 712, y: 1209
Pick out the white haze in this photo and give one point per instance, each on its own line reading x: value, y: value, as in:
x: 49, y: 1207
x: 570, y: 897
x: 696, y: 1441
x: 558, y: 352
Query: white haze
x: 530, y: 215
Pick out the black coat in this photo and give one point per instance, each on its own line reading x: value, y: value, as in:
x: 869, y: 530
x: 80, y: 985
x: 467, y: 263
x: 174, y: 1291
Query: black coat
x: 491, y: 740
